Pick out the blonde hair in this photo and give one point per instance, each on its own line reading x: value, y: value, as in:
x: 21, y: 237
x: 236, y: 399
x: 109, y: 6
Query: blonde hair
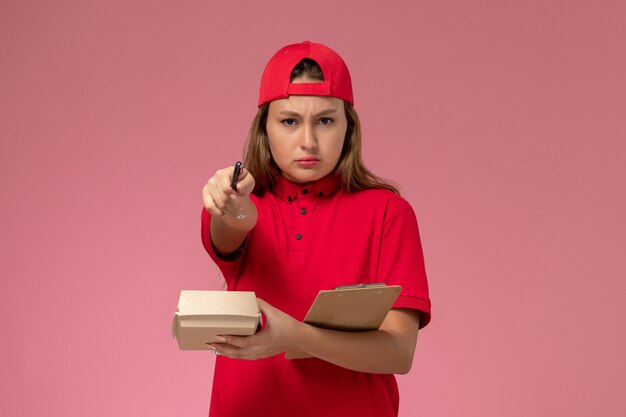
x: 354, y: 175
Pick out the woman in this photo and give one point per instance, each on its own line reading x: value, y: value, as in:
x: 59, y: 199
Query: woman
x: 307, y: 215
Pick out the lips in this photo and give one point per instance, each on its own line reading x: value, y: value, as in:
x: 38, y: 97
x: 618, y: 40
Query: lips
x: 308, y: 161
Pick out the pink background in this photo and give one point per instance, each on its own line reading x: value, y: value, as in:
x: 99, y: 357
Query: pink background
x: 504, y: 121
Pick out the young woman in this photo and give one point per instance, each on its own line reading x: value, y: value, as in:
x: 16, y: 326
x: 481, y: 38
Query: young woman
x: 307, y: 215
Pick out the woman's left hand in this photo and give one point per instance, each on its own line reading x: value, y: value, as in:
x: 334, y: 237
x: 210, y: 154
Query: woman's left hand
x: 278, y: 335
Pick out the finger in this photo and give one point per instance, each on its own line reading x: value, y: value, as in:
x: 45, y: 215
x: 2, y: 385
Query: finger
x: 225, y: 178
x: 213, y: 190
x: 230, y: 206
x: 209, y: 203
x: 241, y: 342
x: 234, y: 352
x: 246, y: 183
x: 219, y: 205
x: 220, y: 202
x: 220, y: 181
x: 212, y: 209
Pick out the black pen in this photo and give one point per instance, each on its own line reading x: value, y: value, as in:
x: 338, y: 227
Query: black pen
x: 236, y: 174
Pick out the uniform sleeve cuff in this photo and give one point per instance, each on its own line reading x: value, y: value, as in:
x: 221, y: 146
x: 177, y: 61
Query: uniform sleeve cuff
x: 415, y: 303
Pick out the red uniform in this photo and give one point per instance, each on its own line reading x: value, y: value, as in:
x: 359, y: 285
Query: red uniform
x: 309, y: 238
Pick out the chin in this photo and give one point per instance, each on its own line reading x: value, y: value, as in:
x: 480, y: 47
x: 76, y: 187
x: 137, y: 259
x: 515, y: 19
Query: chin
x: 304, y: 177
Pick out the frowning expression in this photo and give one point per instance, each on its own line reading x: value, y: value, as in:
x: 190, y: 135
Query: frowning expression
x: 306, y: 135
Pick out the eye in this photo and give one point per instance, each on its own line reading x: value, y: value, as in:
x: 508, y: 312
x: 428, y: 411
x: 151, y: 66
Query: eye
x: 326, y: 121
x: 288, y: 122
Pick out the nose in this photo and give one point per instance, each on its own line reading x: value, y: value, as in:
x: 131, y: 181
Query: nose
x: 308, y: 140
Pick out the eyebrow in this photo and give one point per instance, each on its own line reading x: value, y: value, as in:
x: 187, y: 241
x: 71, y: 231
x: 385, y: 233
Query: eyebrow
x: 292, y: 113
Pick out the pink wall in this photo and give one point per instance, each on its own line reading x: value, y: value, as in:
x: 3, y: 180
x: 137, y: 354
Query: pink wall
x: 503, y: 120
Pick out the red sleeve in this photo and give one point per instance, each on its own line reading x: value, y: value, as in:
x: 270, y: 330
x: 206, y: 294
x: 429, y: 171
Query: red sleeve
x: 402, y: 260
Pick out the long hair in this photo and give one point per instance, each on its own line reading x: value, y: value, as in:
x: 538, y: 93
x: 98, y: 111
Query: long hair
x: 351, y: 169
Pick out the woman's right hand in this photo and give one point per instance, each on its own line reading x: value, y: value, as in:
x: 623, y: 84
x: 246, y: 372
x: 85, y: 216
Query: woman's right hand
x: 220, y: 200
x: 233, y: 214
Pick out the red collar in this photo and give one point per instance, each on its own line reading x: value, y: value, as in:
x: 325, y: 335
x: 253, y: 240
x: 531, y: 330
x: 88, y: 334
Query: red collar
x: 290, y: 191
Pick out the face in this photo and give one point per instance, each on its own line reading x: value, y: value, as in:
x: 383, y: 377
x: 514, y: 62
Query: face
x: 306, y: 135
